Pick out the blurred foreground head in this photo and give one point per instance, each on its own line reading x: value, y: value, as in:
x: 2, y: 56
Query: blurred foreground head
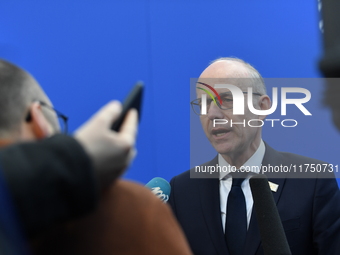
x: 25, y: 108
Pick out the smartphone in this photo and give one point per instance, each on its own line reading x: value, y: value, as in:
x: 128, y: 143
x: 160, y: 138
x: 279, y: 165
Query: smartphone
x: 133, y: 100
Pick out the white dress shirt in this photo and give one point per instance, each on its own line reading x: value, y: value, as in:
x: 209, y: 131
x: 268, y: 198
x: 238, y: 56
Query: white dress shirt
x: 253, y: 164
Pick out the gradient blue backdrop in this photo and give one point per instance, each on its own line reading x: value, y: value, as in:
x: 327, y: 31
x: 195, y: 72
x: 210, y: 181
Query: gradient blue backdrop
x: 85, y: 53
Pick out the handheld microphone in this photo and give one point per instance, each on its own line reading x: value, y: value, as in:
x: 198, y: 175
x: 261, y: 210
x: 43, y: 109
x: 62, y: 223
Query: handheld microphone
x: 274, y: 241
x: 160, y: 187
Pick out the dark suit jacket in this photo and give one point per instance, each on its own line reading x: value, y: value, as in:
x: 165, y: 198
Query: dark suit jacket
x: 309, y: 210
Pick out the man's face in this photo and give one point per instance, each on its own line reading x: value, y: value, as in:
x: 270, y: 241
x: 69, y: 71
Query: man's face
x: 234, y: 136
x: 229, y: 139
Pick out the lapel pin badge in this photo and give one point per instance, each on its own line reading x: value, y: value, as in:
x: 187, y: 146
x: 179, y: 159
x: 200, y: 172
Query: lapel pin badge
x: 273, y: 186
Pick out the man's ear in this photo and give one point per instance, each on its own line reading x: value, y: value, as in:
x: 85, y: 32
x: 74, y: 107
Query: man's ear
x: 40, y: 127
x: 264, y: 104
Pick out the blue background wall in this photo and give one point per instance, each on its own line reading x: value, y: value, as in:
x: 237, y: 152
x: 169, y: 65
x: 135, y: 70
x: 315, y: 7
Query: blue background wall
x: 85, y: 53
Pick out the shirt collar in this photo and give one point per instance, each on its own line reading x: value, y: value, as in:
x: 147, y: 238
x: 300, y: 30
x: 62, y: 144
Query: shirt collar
x: 253, y: 164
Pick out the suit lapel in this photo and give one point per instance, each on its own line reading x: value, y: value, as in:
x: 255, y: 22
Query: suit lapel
x: 253, y: 238
x: 210, y: 202
x: 274, y: 158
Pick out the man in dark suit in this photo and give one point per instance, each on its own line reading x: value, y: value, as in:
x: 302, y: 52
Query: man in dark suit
x: 217, y: 214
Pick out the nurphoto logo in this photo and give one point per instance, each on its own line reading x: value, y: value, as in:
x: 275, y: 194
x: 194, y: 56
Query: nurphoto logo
x: 236, y: 102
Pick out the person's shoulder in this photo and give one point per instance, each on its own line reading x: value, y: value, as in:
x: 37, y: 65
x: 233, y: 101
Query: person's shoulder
x: 293, y: 157
x: 182, y: 176
x: 299, y: 166
x: 297, y: 157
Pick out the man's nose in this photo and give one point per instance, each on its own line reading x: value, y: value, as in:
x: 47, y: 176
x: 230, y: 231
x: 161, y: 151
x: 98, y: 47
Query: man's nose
x: 215, y: 112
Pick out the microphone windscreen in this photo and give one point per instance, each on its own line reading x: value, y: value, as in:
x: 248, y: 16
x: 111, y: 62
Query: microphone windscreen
x: 160, y: 187
x: 274, y: 241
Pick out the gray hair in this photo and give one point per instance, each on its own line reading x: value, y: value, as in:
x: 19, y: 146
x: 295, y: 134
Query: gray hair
x: 18, y: 90
x: 257, y: 80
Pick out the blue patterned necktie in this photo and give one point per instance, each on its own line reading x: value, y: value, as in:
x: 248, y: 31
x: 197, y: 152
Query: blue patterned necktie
x: 236, y: 220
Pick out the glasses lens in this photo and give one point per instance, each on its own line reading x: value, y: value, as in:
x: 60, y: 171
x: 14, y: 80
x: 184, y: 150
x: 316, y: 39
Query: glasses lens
x: 227, y: 102
x: 226, y: 99
x: 196, y: 106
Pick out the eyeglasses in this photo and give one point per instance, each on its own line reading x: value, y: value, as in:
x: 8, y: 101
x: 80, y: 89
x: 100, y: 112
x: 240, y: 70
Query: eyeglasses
x: 226, y: 98
x: 61, y: 117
